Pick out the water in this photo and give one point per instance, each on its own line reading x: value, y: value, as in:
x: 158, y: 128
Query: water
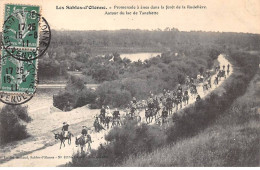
x: 137, y: 56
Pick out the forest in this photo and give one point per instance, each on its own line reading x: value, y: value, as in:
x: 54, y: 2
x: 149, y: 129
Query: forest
x: 75, y: 50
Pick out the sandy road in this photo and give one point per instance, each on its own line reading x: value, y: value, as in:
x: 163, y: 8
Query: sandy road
x: 54, y: 156
x: 223, y: 61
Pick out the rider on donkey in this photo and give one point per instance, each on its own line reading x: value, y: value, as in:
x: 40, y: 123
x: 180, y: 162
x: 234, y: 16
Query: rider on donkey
x: 179, y: 88
x: 134, y: 100
x: 150, y: 103
x: 98, y: 127
x: 187, y: 81
x: 84, y: 130
x: 216, y: 80
x: 168, y: 99
x: 164, y: 114
x: 133, y: 108
x: 65, y: 129
x: 168, y: 93
x: 116, y: 114
x: 108, y: 112
x: 103, y: 111
x: 156, y: 103
x: 85, y: 137
x: 164, y: 92
x: 209, y: 82
x: 179, y: 91
x: 191, y: 80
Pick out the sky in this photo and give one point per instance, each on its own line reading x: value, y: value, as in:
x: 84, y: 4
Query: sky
x: 219, y: 15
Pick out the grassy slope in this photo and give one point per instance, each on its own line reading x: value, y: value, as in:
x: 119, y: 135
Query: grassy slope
x: 233, y: 140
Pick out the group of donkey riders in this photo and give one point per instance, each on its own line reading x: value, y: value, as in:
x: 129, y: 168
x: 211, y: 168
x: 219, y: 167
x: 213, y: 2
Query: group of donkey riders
x: 105, y: 117
x: 153, y: 105
x: 167, y: 101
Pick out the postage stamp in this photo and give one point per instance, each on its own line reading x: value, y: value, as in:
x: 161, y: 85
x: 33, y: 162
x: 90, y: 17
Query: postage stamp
x: 17, y: 76
x: 21, y: 27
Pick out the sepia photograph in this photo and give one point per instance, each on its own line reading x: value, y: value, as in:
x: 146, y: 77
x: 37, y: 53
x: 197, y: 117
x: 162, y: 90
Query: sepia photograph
x: 130, y: 83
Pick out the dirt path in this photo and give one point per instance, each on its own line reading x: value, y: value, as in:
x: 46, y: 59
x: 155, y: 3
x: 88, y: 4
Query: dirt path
x: 53, y: 156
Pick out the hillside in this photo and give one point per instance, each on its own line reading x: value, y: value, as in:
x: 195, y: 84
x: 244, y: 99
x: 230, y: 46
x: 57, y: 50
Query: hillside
x: 231, y: 140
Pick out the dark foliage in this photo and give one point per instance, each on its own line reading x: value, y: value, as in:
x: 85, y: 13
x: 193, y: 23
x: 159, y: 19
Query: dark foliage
x: 195, y: 118
x: 64, y: 100
x: 11, y: 126
x: 129, y: 139
x: 86, y: 96
x: 75, y: 95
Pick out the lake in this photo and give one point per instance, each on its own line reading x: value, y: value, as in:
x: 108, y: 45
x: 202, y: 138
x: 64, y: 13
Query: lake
x: 137, y: 56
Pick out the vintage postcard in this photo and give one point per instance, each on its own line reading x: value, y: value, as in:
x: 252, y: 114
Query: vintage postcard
x: 130, y: 83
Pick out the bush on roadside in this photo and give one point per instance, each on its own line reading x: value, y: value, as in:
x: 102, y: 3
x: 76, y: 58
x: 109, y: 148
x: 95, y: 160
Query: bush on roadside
x: 85, y: 97
x: 130, y: 139
x: 67, y: 101
x: 64, y: 100
x: 75, y: 95
x: 11, y: 126
x: 22, y: 113
x: 114, y: 97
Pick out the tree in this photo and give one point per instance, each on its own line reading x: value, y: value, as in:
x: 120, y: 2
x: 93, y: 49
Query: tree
x: 74, y: 84
x: 102, y: 73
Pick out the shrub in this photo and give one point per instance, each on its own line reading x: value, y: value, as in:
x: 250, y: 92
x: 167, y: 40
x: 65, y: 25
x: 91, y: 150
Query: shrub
x: 85, y: 97
x: 64, y: 100
x: 136, y: 86
x: 130, y: 139
x: 114, y: 97
x: 74, y: 84
x: 103, y: 72
x: 75, y: 95
x: 22, y: 113
x: 11, y: 128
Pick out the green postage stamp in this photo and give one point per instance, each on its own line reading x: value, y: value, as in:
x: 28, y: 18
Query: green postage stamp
x: 21, y: 27
x: 16, y: 75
